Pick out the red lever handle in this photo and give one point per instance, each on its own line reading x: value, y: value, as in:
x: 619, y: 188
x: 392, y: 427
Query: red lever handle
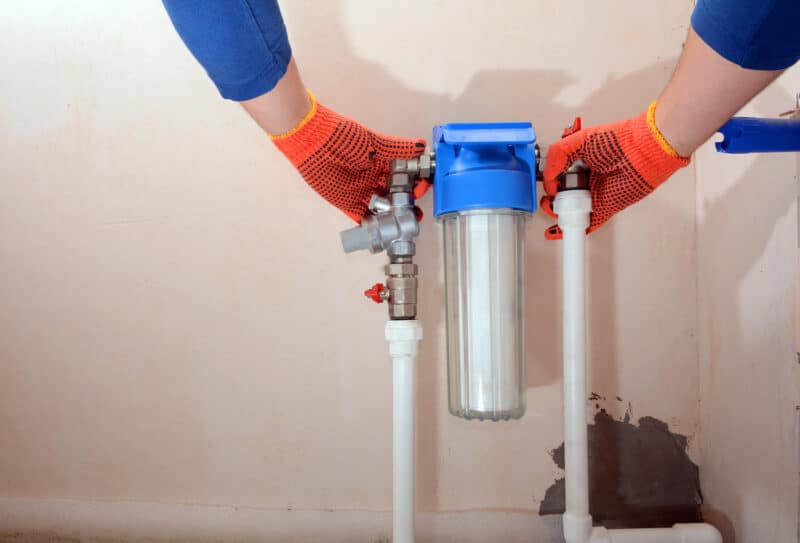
x: 571, y: 129
x: 375, y: 293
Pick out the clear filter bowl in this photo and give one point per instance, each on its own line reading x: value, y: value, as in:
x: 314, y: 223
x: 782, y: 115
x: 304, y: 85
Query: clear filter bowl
x: 484, y: 287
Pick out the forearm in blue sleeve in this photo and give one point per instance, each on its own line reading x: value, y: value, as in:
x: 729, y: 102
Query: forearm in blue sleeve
x: 242, y: 44
x: 755, y: 34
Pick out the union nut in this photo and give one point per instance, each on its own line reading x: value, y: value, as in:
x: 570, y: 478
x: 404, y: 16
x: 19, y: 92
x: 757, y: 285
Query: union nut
x: 401, y: 269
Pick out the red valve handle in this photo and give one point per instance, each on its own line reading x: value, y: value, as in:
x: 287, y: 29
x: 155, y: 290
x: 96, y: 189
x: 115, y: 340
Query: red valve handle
x: 571, y: 129
x: 375, y: 292
x: 421, y: 188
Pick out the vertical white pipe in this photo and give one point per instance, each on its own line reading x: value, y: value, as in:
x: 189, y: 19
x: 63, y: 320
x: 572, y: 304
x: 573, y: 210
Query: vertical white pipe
x: 403, y: 338
x: 573, y: 208
x: 403, y: 449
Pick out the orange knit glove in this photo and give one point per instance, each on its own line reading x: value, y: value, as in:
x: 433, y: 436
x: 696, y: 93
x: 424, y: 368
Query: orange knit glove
x: 345, y: 162
x: 627, y: 159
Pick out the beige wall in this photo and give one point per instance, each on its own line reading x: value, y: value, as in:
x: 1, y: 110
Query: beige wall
x: 178, y: 323
x: 747, y: 240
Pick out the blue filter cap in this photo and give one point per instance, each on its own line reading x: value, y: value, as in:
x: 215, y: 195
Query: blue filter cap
x: 484, y: 166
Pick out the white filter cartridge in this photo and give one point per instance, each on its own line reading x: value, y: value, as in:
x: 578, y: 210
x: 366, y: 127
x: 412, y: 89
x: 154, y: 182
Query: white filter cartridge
x: 484, y: 270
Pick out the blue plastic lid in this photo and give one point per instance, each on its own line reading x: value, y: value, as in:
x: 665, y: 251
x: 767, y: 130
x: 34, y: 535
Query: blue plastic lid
x: 484, y: 166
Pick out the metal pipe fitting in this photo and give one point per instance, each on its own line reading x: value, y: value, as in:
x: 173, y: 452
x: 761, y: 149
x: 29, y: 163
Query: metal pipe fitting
x: 402, y: 285
x: 379, y: 231
x: 575, y: 178
x: 392, y: 227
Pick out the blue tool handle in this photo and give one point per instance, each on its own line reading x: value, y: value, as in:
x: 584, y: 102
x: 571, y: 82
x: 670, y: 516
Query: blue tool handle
x: 752, y: 135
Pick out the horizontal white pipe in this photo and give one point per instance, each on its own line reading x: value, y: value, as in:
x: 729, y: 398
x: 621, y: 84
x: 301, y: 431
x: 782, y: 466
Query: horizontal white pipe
x: 679, y: 533
x: 574, y: 209
x: 403, y: 338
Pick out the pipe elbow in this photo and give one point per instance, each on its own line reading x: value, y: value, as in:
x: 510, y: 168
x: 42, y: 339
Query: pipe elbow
x: 577, y: 528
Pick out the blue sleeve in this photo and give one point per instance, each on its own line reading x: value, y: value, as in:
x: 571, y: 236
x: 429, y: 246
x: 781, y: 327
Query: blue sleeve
x: 242, y: 44
x: 755, y: 34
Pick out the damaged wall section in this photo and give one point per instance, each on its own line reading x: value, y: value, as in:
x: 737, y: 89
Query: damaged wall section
x: 639, y: 476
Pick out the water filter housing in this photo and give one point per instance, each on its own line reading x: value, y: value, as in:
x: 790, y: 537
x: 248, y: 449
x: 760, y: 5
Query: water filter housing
x: 484, y: 190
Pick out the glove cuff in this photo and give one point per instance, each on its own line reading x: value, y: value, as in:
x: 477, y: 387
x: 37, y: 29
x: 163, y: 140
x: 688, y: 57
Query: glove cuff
x: 309, y: 134
x: 651, y: 123
x: 656, y: 160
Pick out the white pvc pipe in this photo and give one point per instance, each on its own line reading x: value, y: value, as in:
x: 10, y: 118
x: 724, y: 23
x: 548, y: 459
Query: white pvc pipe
x: 679, y: 533
x: 403, y: 338
x: 574, y: 208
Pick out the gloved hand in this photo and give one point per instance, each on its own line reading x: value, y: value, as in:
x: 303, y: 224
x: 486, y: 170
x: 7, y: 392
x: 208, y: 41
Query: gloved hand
x: 627, y: 159
x: 345, y: 162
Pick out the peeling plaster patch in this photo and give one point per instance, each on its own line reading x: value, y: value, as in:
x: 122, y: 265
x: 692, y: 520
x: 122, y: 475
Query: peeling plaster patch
x: 638, y: 475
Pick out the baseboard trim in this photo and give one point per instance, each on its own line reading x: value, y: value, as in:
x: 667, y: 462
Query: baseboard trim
x: 72, y: 521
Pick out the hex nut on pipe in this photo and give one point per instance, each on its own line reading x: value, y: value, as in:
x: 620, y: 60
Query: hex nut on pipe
x: 401, y: 269
x: 425, y: 166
